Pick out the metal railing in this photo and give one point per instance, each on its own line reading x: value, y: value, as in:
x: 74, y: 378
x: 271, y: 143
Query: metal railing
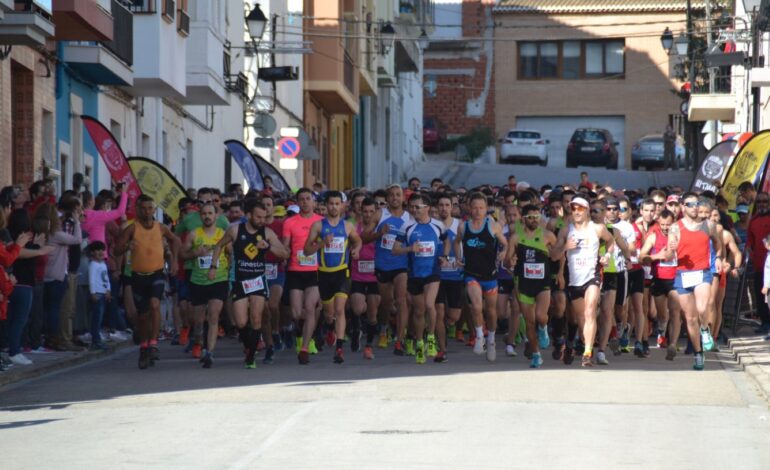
x: 142, y: 6
x: 169, y: 9
x: 122, y: 43
x: 349, y: 73
x: 238, y: 84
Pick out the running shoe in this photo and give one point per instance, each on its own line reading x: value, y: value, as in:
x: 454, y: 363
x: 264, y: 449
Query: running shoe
x: 662, y: 343
x: 586, y: 362
x: 706, y: 339
x: 569, y: 355
x: 601, y: 358
x: 331, y: 338
x: 670, y: 352
x: 689, y: 349
x: 208, y: 360
x: 410, y: 347
x: 510, y: 350
x: 382, y: 343
x: 542, y: 337
x: 580, y: 348
x: 20, y: 359
x: 250, y: 361
x: 154, y: 355
x: 558, y: 349
x: 625, y: 342
x: 459, y: 335
x: 700, y: 363
x: 398, y: 349
x: 184, y: 337
x: 491, y: 352
x: 196, y: 351
x: 303, y: 357
x: 338, y: 359
x: 355, y: 341
x: 419, y: 355
x: 432, y: 348
x: 441, y: 357
x: 638, y: 350
x: 614, y: 345
x: 537, y: 361
x: 368, y: 353
x: 312, y: 347
x: 269, y: 355
x: 144, y: 358
x: 277, y: 342
x: 478, y: 346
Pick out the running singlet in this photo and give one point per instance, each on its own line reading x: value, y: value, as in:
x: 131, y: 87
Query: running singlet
x: 662, y: 269
x: 692, y: 252
x: 451, y: 272
x: 533, y: 267
x: 384, y: 258
x: 427, y: 238
x: 202, y: 264
x: 333, y: 257
x: 273, y: 264
x: 583, y: 261
x: 147, y: 254
x: 249, y: 260
x: 189, y: 223
x: 362, y: 269
x: 480, y: 252
x: 616, y: 262
x: 297, y: 228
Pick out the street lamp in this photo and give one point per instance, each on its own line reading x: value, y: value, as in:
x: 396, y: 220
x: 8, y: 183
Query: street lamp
x: 682, y: 45
x: 387, y: 37
x: 256, y: 22
x: 424, y: 40
x: 667, y: 40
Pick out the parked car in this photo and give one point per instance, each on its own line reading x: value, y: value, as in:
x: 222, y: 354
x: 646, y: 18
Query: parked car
x: 647, y: 152
x: 433, y: 135
x: 592, y: 147
x: 521, y: 145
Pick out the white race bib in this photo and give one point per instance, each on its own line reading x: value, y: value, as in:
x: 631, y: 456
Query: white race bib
x: 303, y: 260
x: 388, y: 240
x: 647, y: 272
x: 451, y: 265
x: 365, y: 266
x: 534, y: 270
x: 585, y: 262
x: 271, y: 271
x: 204, y: 262
x: 691, y: 278
x: 425, y: 249
x: 336, y: 246
x: 669, y: 264
x: 253, y: 285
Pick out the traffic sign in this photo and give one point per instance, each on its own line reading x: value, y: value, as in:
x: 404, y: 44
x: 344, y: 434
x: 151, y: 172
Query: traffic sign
x: 264, y: 142
x: 289, y: 147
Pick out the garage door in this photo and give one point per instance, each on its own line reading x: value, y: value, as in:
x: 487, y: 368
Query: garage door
x: 559, y: 129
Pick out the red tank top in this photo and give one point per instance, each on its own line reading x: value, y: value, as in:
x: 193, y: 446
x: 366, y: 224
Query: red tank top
x: 693, y: 250
x: 662, y: 269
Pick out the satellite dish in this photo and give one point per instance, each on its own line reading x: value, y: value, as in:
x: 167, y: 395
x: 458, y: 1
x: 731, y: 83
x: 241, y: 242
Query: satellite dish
x: 264, y: 124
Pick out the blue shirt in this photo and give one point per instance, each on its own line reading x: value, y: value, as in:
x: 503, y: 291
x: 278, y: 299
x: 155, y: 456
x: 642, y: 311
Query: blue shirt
x: 384, y: 259
x: 427, y: 238
x: 451, y: 272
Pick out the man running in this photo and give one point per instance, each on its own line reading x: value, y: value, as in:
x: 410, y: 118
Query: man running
x: 364, y: 292
x: 333, y: 236
x: 145, y: 240
x: 450, y: 291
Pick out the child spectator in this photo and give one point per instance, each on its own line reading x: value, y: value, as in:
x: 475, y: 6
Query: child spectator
x: 99, y: 288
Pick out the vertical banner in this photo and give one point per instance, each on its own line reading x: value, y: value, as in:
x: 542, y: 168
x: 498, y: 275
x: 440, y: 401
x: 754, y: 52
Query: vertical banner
x: 115, y: 160
x: 714, y: 167
x: 747, y: 166
x: 254, y: 168
x: 156, y: 182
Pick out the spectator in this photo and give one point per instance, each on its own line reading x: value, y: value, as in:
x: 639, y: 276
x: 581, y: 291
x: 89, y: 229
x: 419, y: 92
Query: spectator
x: 742, y: 225
x: 71, y: 213
x: 96, y: 219
x: 759, y: 229
x: 747, y: 192
x: 99, y: 290
x: 585, y: 182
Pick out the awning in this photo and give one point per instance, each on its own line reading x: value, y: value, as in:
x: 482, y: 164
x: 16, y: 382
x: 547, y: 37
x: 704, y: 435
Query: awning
x: 708, y: 107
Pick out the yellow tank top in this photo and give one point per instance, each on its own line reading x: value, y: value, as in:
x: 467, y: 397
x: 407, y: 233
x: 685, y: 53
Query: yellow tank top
x: 147, y: 255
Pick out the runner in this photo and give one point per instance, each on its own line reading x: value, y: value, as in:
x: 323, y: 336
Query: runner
x: 617, y: 214
x: 730, y: 267
x: 275, y: 273
x: 638, y: 275
x: 689, y: 238
x: 145, y: 240
x: 529, y: 250
x: 479, y: 238
x: 508, y: 310
x: 302, y: 272
x: 559, y: 218
x: 251, y: 241
x: 450, y: 291
x: 364, y: 292
x: 333, y: 236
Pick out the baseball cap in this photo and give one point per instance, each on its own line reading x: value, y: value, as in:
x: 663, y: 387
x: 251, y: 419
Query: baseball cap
x: 580, y: 202
x: 279, y: 211
x: 672, y: 198
x: 742, y: 209
x: 293, y: 208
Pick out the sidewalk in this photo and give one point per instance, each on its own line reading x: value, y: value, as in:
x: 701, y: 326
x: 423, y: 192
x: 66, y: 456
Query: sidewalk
x: 50, y: 362
x: 753, y: 354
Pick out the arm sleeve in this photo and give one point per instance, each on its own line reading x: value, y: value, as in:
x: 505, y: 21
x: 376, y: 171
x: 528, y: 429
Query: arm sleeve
x: 63, y: 238
x: 8, y: 254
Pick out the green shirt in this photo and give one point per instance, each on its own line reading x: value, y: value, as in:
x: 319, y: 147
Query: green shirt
x: 193, y: 221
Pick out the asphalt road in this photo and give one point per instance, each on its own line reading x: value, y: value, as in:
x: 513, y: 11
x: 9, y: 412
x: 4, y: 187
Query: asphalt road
x: 386, y: 414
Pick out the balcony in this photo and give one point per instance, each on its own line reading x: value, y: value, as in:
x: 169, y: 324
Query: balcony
x: 714, y: 106
x: 330, y: 76
x: 205, y: 65
x: 27, y: 25
x: 407, y: 56
x: 238, y: 84
x: 5, y: 5
x: 415, y: 11
x: 183, y: 22
x: 81, y: 20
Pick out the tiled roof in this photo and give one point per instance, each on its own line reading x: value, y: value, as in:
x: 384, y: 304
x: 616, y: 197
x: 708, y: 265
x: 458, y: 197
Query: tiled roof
x: 596, y: 6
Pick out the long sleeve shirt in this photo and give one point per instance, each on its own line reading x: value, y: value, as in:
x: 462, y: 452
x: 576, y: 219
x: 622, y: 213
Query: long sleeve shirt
x: 766, y: 279
x: 58, y: 260
x: 98, y: 277
x: 95, y: 221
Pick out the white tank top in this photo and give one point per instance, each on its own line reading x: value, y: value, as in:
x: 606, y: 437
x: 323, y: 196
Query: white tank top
x: 583, y: 261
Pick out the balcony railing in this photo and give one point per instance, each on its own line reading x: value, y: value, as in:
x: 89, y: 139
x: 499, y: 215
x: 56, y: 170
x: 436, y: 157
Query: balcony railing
x: 142, y: 6
x: 169, y: 9
x: 183, y: 22
x: 226, y: 60
x: 349, y: 73
x: 122, y: 44
x: 238, y: 84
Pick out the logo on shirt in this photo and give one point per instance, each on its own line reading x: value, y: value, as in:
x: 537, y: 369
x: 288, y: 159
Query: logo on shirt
x: 476, y: 243
x: 251, y: 251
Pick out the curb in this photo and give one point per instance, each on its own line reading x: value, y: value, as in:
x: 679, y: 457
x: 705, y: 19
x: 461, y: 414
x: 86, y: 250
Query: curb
x: 21, y: 373
x: 753, y: 355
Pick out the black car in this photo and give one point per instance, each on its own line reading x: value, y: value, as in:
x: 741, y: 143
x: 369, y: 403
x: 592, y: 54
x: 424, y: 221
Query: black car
x: 592, y: 147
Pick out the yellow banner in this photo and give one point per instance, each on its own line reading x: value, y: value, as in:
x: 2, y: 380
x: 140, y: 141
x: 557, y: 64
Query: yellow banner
x: 159, y: 184
x: 746, y: 166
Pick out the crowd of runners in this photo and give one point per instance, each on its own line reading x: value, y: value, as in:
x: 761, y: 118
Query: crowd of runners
x: 585, y: 271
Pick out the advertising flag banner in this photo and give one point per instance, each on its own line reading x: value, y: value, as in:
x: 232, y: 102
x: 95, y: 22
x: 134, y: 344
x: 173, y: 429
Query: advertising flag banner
x: 155, y: 181
x: 115, y: 160
x: 747, y: 166
x: 714, y: 167
x: 255, y: 168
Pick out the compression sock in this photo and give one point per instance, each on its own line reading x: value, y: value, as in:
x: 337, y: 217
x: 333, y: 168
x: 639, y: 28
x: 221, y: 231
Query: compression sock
x: 558, y: 327
x: 340, y: 343
x: 371, y: 332
x: 571, y: 332
x: 479, y: 332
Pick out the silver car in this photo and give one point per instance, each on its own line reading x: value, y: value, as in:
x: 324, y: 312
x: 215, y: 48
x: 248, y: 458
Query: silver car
x: 647, y: 152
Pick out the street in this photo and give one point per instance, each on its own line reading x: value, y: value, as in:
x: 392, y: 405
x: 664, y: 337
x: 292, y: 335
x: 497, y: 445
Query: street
x: 389, y: 413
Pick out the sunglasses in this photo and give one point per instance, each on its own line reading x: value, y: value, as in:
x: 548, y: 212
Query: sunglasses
x: 690, y: 204
x: 597, y: 211
x: 532, y: 217
x: 659, y: 203
x: 672, y: 203
x: 576, y: 208
x: 623, y: 209
x: 382, y: 204
x: 612, y: 208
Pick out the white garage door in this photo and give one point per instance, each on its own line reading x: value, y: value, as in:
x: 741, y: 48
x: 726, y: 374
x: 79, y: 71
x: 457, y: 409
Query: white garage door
x: 559, y: 129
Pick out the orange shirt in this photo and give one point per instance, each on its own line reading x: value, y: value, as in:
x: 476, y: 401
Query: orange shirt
x: 297, y: 228
x: 147, y: 255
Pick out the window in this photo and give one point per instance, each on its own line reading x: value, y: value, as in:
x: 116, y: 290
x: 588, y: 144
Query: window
x: 571, y: 60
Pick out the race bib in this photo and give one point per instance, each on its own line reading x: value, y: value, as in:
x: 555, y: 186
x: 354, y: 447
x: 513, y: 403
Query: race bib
x: 204, y: 262
x: 271, y: 271
x: 691, y: 278
x: 534, y: 270
x: 253, y: 285
x: 451, y: 265
x: 388, y: 240
x: 425, y: 249
x: 336, y: 246
x: 647, y: 272
x: 365, y: 266
x: 669, y: 264
x: 303, y: 260
x: 585, y: 262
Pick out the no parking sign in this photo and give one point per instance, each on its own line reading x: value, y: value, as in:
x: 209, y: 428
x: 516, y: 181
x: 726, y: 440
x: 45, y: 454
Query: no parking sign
x: 289, y: 147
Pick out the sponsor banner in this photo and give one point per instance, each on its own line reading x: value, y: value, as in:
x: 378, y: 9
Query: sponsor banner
x: 156, y: 182
x: 714, y: 167
x: 254, y: 168
x: 747, y: 166
x: 114, y: 159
